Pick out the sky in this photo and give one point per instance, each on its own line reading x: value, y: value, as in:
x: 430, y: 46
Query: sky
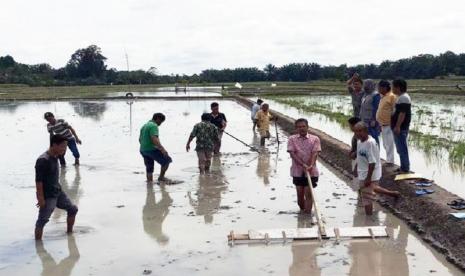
x: 188, y: 36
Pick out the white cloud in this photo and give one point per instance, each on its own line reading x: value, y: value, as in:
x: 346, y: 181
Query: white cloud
x: 187, y: 36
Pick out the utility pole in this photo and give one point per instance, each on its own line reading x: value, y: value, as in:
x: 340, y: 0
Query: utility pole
x: 127, y: 65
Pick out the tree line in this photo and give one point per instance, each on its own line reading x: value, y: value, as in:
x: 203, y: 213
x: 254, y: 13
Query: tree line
x: 87, y: 66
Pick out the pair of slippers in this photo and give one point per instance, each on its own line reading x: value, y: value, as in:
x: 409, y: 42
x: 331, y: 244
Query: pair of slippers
x: 457, y: 204
x: 421, y: 192
x: 423, y: 184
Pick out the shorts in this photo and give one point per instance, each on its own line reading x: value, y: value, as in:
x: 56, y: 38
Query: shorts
x: 62, y: 202
x: 367, y: 194
x: 150, y: 156
x: 302, y: 181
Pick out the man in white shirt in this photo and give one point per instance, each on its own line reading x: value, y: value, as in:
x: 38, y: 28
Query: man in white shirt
x: 368, y: 168
x: 255, y: 108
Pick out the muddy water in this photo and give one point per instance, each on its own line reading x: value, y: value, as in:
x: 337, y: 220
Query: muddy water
x: 125, y: 226
x: 433, y: 163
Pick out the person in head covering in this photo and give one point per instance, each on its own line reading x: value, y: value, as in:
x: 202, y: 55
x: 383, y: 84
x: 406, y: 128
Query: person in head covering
x: 369, y: 107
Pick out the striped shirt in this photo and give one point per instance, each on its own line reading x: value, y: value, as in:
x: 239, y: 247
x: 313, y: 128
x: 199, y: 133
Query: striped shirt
x: 61, y: 127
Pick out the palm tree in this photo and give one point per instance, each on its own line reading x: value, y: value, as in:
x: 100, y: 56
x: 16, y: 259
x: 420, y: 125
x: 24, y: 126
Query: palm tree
x: 271, y: 72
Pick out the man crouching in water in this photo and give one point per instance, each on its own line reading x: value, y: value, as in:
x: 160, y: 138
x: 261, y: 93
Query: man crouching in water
x: 304, y: 149
x: 49, y: 192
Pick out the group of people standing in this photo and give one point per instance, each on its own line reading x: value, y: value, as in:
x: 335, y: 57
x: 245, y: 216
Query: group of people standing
x: 378, y: 110
x: 386, y: 112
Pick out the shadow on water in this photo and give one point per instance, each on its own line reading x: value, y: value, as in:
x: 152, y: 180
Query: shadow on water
x: 154, y: 214
x: 208, y: 193
x: 94, y: 110
x: 63, y: 268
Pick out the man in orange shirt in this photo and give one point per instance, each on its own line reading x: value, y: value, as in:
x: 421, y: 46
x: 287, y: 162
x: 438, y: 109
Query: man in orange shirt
x: 383, y: 116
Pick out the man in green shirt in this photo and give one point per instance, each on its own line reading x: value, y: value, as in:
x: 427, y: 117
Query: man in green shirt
x: 151, y: 148
x: 207, y: 135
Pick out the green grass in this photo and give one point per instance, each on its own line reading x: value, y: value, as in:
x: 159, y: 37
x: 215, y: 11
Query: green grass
x: 18, y: 92
x: 338, y: 117
x: 434, y: 87
x: 458, y: 152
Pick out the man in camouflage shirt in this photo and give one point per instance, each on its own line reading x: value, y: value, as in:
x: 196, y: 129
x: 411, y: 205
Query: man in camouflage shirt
x: 206, y: 135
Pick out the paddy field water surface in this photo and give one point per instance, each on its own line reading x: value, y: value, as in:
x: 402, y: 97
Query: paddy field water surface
x: 126, y: 227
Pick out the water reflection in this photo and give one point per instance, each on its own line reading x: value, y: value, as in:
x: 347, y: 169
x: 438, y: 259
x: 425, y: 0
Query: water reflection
x: 130, y: 103
x: 10, y: 107
x: 382, y: 256
x: 209, y: 191
x: 50, y: 267
x: 304, y: 260
x: 72, y: 191
x: 154, y: 214
x: 92, y: 110
x: 263, y: 167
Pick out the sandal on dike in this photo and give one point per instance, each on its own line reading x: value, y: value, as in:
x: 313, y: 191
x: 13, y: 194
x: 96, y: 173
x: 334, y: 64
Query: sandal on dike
x: 457, y: 204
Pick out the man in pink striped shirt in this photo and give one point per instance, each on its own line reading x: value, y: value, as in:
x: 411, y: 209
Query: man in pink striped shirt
x: 304, y: 148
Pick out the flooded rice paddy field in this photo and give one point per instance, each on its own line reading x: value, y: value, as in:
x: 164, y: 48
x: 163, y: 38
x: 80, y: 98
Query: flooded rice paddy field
x: 126, y: 227
x: 173, y: 92
x: 439, y: 121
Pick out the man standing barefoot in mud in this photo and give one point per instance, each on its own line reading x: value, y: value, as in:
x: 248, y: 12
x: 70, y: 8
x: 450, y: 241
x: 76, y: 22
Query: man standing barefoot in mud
x: 368, y: 168
x: 48, y: 189
x: 219, y: 120
x: 151, y: 148
x: 304, y: 149
x: 207, y: 135
x: 61, y: 127
x: 263, y: 118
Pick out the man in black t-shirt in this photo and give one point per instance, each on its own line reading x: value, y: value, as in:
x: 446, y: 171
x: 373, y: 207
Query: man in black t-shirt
x: 400, y: 123
x: 48, y: 189
x: 219, y: 120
